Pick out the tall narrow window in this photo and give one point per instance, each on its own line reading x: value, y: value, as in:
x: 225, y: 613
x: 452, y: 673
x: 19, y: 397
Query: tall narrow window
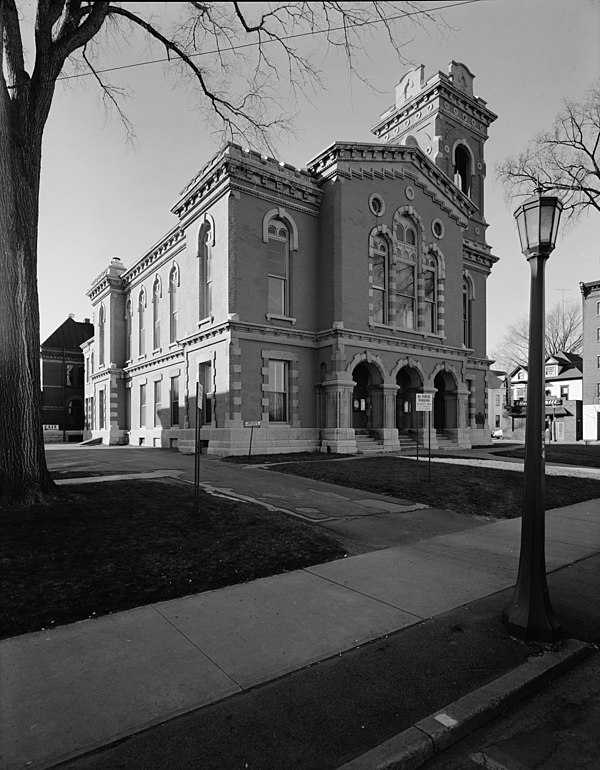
x: 101, y: 335
x: 173, y: 306
x: 379, y: 254
x: 467, y: 314
x: 278, y: 391
x: 127, y: 416
x: 278, y: 250
x: 156, y: 315
x: 142, y: 406
x: 141, y: 324
x: 406, y: 265
x: 174, y: 400
x: 128, y: 330
x: 205, y: 241
x: 429, y: 294
x: 157, y: 403
x: 206, y: 379
x: 101, y: 410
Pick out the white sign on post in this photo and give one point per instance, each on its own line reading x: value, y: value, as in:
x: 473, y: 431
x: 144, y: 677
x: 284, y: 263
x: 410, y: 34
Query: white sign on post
x: 424, y: 402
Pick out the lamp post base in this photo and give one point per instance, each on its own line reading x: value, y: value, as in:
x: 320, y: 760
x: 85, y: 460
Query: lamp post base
x: 539, y: 625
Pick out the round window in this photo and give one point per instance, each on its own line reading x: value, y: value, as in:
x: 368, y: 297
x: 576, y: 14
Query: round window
x: 437, y: 228
x: 376, y: 204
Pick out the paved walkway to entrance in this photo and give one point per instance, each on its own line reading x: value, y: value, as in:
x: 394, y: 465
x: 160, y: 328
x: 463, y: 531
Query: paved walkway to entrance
x: 84, y: 685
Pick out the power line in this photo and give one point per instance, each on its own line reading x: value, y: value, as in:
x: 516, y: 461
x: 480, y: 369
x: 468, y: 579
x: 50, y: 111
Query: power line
x: 265, y: 42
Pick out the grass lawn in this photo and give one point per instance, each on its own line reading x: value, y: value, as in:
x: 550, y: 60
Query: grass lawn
x: 461, y: 488
x: 564, y: 454
x: 111, y: 546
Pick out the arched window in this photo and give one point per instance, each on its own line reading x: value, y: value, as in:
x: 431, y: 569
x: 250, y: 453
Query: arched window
x: 406, y: 285
x: 278, y: 265
x: 128, y: 313
x: 379, y: 257
x: 462, y: 169
x: 156, y: 314
x: 206, y: 241
x: 173, y: 303
x: 467, y: 313
x: 141, y: 323
x: 430, y: 298
x: 101, y: 334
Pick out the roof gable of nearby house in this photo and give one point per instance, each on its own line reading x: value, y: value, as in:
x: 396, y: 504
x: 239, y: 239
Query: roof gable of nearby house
x: 70, y: 335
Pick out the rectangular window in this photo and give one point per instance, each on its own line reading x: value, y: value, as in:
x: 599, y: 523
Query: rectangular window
x: 278, y: 391
x: 174, y: 400
x: 497, y: 399
x: 597, y: 308
x: 157, y: 404
x: 277, y: 267
x: 206, y: 379
x: 128, y: 335
x: 598, y: 362
x: 598, y: 390
x: 101, y: 410
x: 598, y: 335
x: 142, y: 406
x: 564, y: 391
x: 127, y: 415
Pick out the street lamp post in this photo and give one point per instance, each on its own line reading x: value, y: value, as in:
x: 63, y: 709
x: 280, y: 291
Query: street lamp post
x: 530, y: 616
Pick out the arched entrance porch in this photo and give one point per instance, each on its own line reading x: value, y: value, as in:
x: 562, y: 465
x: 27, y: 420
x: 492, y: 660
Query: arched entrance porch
x: 409, y: 383
x: 445, y: 404
x: 367, y: 410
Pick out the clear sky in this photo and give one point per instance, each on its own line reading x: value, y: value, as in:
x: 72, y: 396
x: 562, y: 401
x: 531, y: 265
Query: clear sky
x: 102, y: 198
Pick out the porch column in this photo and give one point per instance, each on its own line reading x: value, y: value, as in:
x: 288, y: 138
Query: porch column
x: 386, y: 428
x: 337, y: 433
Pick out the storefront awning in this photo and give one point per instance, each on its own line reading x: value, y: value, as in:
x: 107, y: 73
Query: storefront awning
x: 557, y: 411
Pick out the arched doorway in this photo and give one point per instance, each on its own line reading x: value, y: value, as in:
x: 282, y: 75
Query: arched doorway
x: 366, y: 410
x: 409, y: 382
x: 444, y: 402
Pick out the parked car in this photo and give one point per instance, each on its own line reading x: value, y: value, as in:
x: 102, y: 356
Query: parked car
x: 497, y: 433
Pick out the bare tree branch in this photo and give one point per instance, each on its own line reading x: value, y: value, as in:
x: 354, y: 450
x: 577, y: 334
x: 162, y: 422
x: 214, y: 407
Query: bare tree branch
x: 564, y: 160
x: 563, y: 334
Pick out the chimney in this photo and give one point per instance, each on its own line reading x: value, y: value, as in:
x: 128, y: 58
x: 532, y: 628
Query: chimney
x: 71, y: 315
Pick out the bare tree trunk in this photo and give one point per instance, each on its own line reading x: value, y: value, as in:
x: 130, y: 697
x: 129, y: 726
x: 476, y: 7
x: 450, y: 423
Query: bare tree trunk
x: 24, y: 477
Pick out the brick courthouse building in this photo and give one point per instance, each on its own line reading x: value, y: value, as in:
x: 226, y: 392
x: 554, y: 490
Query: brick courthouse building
x: 315, y: 302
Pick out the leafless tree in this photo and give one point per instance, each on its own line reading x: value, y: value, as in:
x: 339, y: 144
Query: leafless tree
x: 564, y: 333
x: 564, y: 160
x: 238, y: 54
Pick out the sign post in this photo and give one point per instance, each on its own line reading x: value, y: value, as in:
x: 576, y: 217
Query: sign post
x: 251, y: 424
x: 424, y: 403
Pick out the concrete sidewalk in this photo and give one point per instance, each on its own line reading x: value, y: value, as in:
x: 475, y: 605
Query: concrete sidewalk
x: 85, y: 685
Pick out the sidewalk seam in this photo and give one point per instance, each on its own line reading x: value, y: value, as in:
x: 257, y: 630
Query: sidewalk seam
x: 367, y: 596
x: 200, y: 650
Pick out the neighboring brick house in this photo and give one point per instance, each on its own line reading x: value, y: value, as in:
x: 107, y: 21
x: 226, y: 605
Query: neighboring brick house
x: 62, y: 374
x: 563, y: 393
x: 590, y: 293
x: 315, y: 303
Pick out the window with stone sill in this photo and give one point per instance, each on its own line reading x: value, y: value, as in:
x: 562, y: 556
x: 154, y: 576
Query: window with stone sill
x: 278, y: 269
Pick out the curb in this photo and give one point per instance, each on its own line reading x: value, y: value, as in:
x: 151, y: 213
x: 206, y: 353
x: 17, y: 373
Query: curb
x: 425, y: 739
